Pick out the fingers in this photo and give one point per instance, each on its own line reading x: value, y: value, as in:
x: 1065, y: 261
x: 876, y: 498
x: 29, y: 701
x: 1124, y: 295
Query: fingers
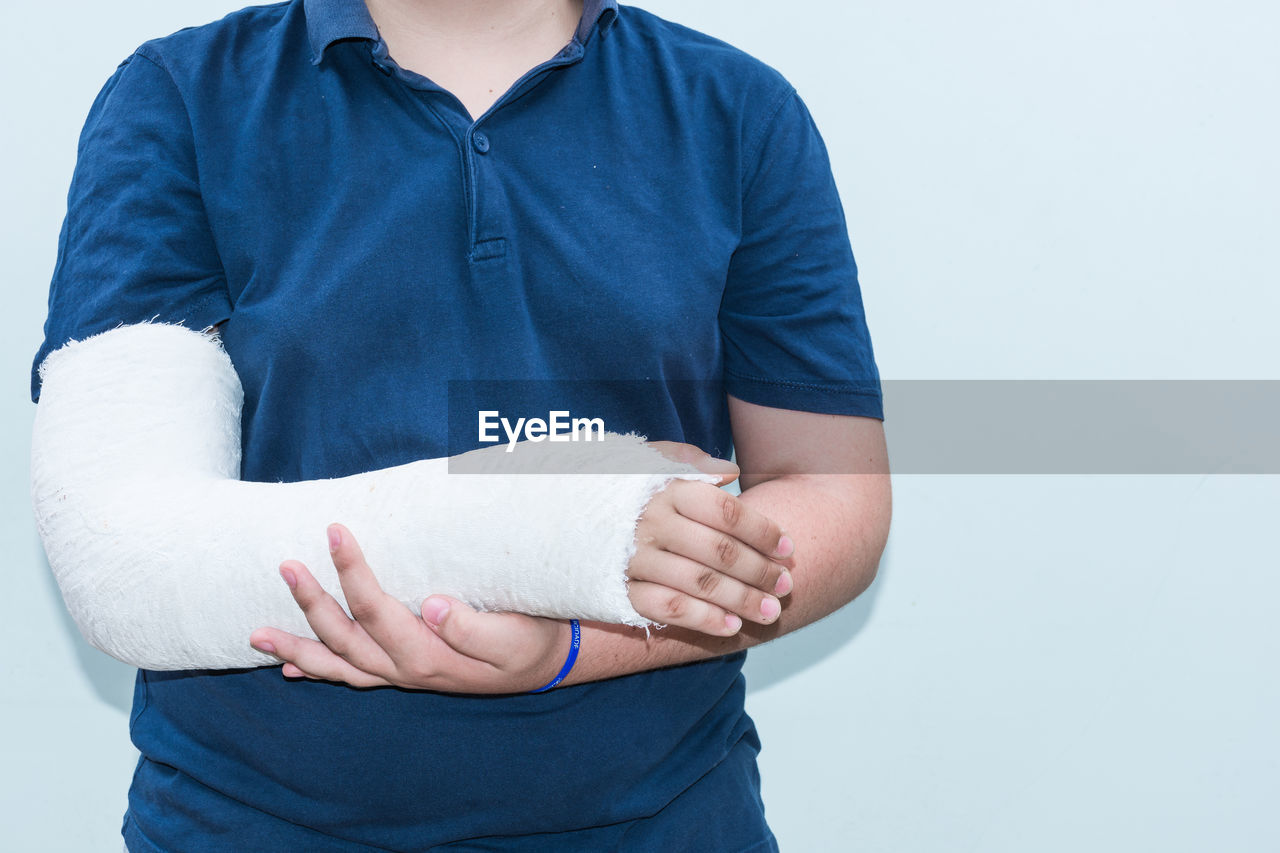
x: 496, y: 639
x: 330, y: 622
x: 667, y: 606
x: 722, y: 511
x: 707, y: 561
x: 312, y: 659
x: 698, y: 458
x: 726, y: 554
x: 385, y: 619
x: 452, y: 621
x: 382, y: 642
x: 719, y: 531
x: 510, y: 650
x: 695, y: 577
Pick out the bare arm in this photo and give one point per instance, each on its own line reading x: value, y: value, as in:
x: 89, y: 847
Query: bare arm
x: 839, y: 522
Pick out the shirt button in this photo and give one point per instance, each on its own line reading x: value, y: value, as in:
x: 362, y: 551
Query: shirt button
x: 480, y: 142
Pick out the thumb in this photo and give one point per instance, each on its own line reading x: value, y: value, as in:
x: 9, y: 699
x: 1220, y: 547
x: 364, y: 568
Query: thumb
x: 464, y: 629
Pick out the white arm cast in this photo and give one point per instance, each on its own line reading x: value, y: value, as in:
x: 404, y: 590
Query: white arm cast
x: 166, y: 560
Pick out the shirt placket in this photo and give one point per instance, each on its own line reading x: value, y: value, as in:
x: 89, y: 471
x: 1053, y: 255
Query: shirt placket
x: 480, y: 148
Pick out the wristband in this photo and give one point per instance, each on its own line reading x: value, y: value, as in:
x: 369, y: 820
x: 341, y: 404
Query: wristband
x: 574, y: 643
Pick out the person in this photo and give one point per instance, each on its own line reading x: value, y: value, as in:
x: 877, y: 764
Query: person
x: 374, y: 201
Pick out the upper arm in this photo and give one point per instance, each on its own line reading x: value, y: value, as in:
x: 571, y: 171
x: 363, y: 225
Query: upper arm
x: 772, y: 443
x: 804, y: 390
x: 792, y: 323
x: 136, y: 243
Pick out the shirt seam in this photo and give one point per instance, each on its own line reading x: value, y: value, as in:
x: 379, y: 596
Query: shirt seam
x: 756, y: 147
x: 212, y: 299
x: 864, y: 391
x: 156, y: 60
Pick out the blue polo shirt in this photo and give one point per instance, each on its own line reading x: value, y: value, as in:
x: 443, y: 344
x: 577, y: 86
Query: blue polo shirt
x: 649, y: 205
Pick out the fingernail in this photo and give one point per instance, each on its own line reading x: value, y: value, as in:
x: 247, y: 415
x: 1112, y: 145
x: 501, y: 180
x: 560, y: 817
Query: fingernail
x: 785, y: 583
x: 770, y: 608
x: 785, y: 547
x: 264, y: 646
x: 335, y: 538
x: 732, y: 623
x: 433, y: 611
x: 289, y: 577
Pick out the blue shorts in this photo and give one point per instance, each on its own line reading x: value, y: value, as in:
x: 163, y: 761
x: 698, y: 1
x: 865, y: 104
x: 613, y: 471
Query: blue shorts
x: 720, y: 813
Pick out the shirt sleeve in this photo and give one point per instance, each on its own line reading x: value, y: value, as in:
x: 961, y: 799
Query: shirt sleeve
x: 136, y: 243
x: 791, y: 321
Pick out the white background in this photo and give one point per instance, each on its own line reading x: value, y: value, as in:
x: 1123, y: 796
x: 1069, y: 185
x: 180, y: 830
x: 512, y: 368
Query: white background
x: 1082, y: 190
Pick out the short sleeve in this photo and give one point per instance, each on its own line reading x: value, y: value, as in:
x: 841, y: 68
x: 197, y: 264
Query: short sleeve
x: 791, y: 321
x: 136, y: 243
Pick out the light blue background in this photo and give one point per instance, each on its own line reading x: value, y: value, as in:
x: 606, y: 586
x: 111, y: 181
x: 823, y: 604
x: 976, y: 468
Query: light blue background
x: 1083, y: 190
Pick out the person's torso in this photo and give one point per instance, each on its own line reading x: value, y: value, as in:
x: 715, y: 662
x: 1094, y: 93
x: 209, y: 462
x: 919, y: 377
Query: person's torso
x: 377, y: 246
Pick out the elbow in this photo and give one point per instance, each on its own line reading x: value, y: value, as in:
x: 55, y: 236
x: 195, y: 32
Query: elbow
x: 874, y: 511
x: 102, y: 578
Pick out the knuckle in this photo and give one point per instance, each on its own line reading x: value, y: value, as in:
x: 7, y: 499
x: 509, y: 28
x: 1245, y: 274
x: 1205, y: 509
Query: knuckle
x: 307, y: 596
x: 646, y: 530
x: 675, y: 607
x: 660, y: 504
x: 362, y: 611
x: 728, y: 551
x: 339, y: 642
x: 419, y: 673
x: 730, y: 510
x: 707, y: 581
x: 286, y: 647
x: 678, y: 490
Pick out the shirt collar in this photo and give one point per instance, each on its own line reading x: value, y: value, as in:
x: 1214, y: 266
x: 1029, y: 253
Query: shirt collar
x: 333, y: 20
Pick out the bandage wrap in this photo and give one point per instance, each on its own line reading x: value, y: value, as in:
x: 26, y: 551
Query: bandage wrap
x: 166, y: 560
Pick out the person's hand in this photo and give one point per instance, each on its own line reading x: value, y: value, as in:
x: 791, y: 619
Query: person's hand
x: 450, y: 648
x: 704, y: 559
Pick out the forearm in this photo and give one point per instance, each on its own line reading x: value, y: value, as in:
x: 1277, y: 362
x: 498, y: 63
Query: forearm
x: 167, y: 561
x: 839, y: 524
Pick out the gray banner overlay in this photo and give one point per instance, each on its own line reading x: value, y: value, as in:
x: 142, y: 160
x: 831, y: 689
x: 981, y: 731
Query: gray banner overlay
x: 1038, y: 426
x: 1083, y: 426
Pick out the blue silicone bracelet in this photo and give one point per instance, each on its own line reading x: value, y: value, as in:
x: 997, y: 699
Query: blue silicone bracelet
x: 574, y: 644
